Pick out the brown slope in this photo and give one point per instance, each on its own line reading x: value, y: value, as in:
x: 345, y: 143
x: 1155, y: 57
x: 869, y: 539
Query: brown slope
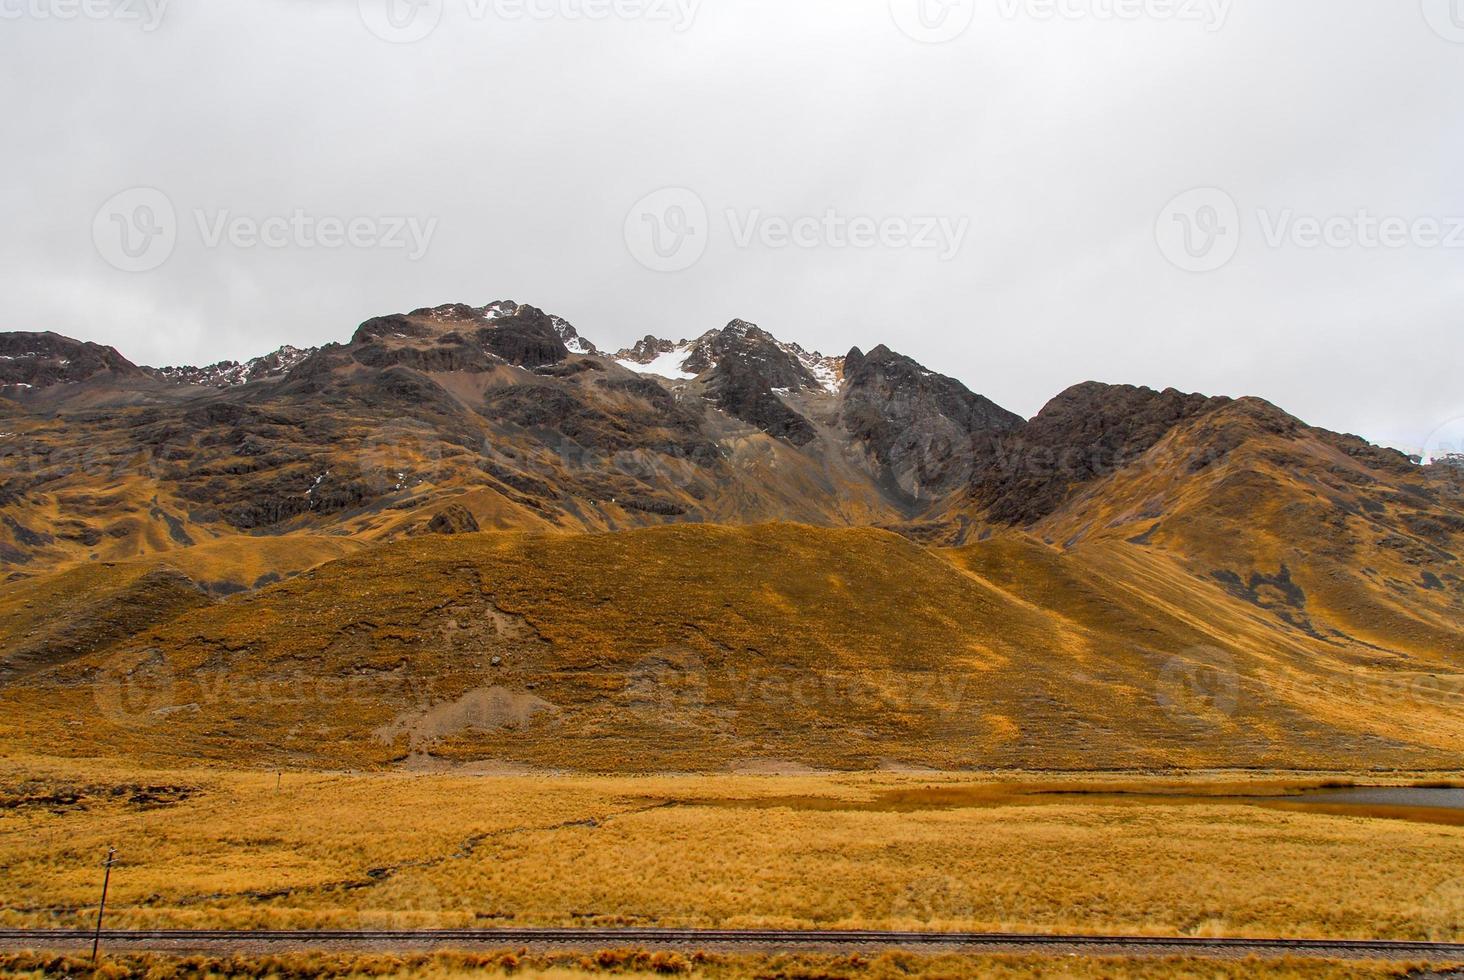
x: 86, y: 610
x: 703, y: 647
x: 921, y: 430
x: 1080, y: 436
x: 483, y: 408
x: 1231, y: 669
x: 41, y: 360
x: 1332, y: 538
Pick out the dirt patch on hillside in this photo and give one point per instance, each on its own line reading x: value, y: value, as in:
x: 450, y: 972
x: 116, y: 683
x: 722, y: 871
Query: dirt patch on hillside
x: 486, y: 709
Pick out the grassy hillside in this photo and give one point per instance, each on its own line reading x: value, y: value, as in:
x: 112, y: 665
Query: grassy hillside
x: 1346, y: 544
x: 704, y: 648
x: 89, y: 607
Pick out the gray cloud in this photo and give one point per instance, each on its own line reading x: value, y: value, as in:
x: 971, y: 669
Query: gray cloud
x: 529, y: 139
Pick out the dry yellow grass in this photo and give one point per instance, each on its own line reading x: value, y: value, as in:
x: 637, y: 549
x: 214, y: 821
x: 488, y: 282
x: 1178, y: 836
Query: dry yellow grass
x: 209, y: 849
x: 703, y: 648
x: 632, y: 964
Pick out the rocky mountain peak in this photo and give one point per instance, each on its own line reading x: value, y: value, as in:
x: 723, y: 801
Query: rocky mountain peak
x: 648, y: 349
x: 507, y: 308
x: 459, y: 337
x: 572, y: 340
x: 1086, y: 432
x: 40, y: 360
x: 784, y: 367
x: 920, y: 427
x: 230, y: 374
x: 745, y: 349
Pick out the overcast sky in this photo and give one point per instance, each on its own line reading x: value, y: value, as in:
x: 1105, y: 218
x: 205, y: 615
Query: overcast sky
x: 999, y: 186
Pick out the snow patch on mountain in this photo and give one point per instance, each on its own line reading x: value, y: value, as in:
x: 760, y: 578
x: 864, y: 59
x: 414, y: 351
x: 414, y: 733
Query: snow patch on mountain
x: 571, y: 337
x: 506, y: 308
x: 689, y: 359
x: 670, y: 364
x: 827, y: 371
x: 231, y: 374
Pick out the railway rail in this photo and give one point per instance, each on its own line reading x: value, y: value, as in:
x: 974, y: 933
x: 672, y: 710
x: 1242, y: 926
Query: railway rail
x: 751, y: 940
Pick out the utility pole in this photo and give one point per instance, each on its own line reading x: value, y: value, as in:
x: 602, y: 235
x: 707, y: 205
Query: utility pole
x: 102, y: 908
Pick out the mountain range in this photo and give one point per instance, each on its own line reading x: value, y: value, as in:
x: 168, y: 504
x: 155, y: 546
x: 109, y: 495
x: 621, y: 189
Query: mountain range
x: 471, y: 536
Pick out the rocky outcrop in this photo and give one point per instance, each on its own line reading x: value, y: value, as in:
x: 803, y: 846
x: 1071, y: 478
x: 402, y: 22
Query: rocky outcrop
x: 453, y: 519
x: 529, y: 338
x: 40, y: 360
x: 231, y: 374
x: 920, y: 429
x: 457, y: 337
x: 572, y: 340
x: 421, y: 408
x: 648, y: 349
x: 1083, y: 434
x: 748, y: 368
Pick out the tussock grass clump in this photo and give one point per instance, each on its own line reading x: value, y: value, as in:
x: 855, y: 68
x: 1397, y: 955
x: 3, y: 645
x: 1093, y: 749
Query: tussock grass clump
x: 651, y: 965
x: 924, y: 852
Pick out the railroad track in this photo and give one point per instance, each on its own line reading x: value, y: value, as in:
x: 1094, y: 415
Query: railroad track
x: 165, y: 940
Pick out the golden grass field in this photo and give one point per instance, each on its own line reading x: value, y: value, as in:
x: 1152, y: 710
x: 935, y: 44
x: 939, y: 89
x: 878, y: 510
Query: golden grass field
x: 633, y: 964
x: 700, y: 648
x: 210, y: 849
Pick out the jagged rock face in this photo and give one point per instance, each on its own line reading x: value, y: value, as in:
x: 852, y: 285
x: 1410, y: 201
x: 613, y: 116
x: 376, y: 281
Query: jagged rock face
x: 651, y: 419
x: 454, y: 519
x: 746, y: 350
x: 563, y: 329
x: 919, y: 426
x: 458, y: 337
x: 40, y: 360
x: 648, y: 349
x: 572, y: 340
x: 423, y: 407
x: 229, y: 374
x: 529, y: 338
x: 785, y: 366
x: 1085, y: 433
x: 747, y: 368
x: 746, y: 372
